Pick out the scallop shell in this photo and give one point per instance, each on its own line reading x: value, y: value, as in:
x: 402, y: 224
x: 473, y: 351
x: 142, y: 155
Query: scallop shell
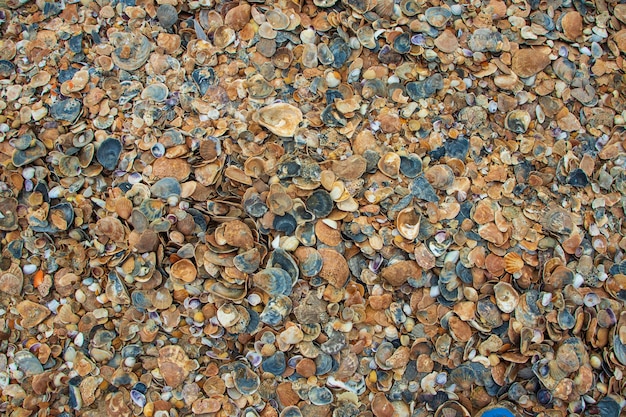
x: 513, y: 263
x: 174, y: 365
x: 335, y: 268
x: 274, y: 281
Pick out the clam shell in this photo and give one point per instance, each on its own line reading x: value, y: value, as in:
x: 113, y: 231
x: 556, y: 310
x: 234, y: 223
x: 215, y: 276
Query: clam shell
x: 441, y: 177
x: 108, y: 153
x: 12, y: 280
x: 132, y: 50
x: 335, y: 268
x: 408, y: 223
x: 274, y: 281
x: 174, y: 365
x: 506, y: 296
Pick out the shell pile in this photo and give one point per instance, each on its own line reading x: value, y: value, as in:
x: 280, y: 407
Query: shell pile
x: 312, y: 208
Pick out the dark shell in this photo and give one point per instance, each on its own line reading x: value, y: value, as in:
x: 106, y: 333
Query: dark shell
x: 6, y: 68
x: 109, y: 153
x: 320, y: 203
x: 341, y: 52
x: 167, y: 15
x: 457, y: 148
x: 324, y: 54
x: 23, y: 142
x: 279, y: 258
x: 418, y: 90
x: 65, y: 210
x: 312, y: 265
x: 410, y: 165
x: 373, y: 88
x: 276, y: 310
x: 578, y: 178
x: 141, y: 300
x: 402, y: 43
x: 27, y: 363
x: 165, y: 188
x: 323, y: 364
x: 422, y: 189
x: 67, y: 110
x: 332, y: 118
x: 291, y: 411
x: 248, y: 261
x: 36, y: 151
x: 286, y: 224
x: 483, y: 40
x: 275, y: 364
x: 204, y: 78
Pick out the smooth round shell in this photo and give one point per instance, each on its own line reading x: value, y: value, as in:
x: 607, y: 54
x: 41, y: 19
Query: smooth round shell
x: 184, y: 270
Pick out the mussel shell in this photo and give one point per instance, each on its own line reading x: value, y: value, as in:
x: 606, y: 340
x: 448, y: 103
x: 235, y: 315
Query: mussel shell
x: 109, y: 153
x: 418, y: 90
x: 7, y: 68
x: 63, y: 209
x: 422, y: 189
x: 286, y: 224
x: 248, y: 261
x: 341, y: 52
x: 402, y: 43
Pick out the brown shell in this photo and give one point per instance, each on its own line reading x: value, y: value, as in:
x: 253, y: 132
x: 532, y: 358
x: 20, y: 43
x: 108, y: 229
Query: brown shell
x: 398, y: 273
x: 174, y: 365
x: 335, y: 268
x: 184, y: 270
x: 513, y: 262
x: 12, y: 280
x: 440, y: 176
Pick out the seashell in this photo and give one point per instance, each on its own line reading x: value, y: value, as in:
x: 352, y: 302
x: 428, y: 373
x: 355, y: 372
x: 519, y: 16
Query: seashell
x: 365, y: 35
x: 108, y: 153
x: 248, y: 261
x: 291, y: 411
x: 559, y: 221
x: 224, y: 36
x: 277, y: 19
x: 334, y: 268
x: 29, y: 155
x: 31, y: 313
x: 204, y: 79
x: 332, y: 118
x: 320, y: 396
x: 246, y: 381
x: 8, y: 208
x: 438, y: 17
x: 266, y: 47
x: 310, y: 261
x: 452, y: 409
x: 400, y: 272
x: 282, y: 119
x: 340, y: 51
x: 506, y: 296
x: 572, y: 24
x: 66, y: 110
x: 374, y: 88
x: 69, y: 166
x: 28, y: 363
x: 408, y: 223
x: 274, y: 281
x: 258, y: 87
x: 282, y: 58
x: 528, y: 62
x: 184, y: 270
x: 132, y: 50
x: 513, y: 263
x: 286, y: 224
x: 410, y: 7
x: 279, y: 258
x: 7, y: 68
x: 410, y: 165
x: 389, y: 164
x: 228, y: 292
x: 12, y: 280
x: 174, y: 365
x: 85, y: 155
x: 165, y: 188
x: 167, y: 15
x: 441, y: 177
x: 156, y: 92
x: 276, y: 310
x: 228, y: 315
x: 502, y: 409
x: 320, y: 203
x: 275, y: 364
x: 517, y: 121
x: 418, y: 90
x: 402, y: 43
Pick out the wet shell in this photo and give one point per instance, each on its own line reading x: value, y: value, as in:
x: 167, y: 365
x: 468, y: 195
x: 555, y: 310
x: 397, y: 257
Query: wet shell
x: 184, y: 270
x: 507, y: 297
x: 282, y: 119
